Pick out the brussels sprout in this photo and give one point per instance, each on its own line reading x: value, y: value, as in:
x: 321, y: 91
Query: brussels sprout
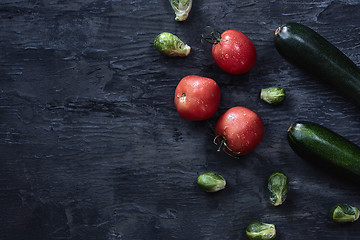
x: 343, y: 212
x: 171, y: 45
x: 278, y: 188
x: 211, y: 182
x: 260, y: 231
x: 273, y: 95
x: 181, y: 9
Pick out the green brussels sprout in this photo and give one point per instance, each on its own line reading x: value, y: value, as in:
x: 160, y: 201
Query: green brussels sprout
x: 260, y: 231
x: 211, y: 182
x: 278, y: 188
x: 273, y: 95
x: 343, y: 212
x: 181, y: 9
x: 170, y: 45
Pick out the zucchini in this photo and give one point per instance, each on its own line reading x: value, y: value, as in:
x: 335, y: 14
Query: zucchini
x: 325, y: 147
x: 305, y: 48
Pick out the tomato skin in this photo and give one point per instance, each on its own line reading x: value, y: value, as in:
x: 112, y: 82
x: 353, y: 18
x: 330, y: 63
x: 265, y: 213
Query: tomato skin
x: 235, y: 53
x: 242, y: 130
x: 197, y: 98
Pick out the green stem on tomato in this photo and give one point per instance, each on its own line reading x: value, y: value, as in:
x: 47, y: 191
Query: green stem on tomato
x: 215, y: 37
x: 223, y: 144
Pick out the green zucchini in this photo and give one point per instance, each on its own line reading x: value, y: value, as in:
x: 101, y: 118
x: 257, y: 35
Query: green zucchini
x: 325, y: 147
x: 305, y: 48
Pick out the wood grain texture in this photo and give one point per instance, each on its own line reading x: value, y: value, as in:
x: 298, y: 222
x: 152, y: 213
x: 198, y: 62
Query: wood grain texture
x: 92, y: 146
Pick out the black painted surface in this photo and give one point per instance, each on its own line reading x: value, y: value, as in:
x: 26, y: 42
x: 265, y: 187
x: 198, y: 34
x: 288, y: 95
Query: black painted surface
x: 92, y: 146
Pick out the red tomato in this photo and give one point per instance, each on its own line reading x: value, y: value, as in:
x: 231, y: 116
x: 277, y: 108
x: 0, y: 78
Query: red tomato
x: 197, y: 98
x: 235, y: 53
x: 239, y: 130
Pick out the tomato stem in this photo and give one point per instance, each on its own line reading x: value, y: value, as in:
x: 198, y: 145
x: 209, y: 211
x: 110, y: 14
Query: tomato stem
x: 233, y: 152
x: 223, y: 144
x: 215, y: 37
x: 183, y: 98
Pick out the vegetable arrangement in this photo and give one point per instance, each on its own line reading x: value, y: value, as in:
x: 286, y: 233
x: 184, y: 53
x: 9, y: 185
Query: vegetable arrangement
x: 240, y: 130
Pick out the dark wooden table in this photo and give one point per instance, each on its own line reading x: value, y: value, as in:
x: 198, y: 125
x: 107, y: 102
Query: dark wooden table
x: 93, y: 148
